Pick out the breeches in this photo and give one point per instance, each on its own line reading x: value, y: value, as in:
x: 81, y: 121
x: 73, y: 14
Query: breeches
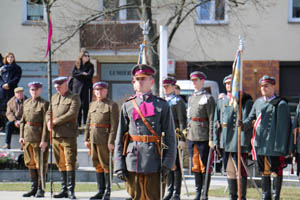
x: 199, y: 154
x: 144, y: 186
x: 230, y: 163
x: 271, y: 164
x: 65, y: 153
x: 100, y: 157
x: 32, y: 153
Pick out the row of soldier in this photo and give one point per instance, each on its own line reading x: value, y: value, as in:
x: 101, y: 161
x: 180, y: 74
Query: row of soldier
x: 135, y: 136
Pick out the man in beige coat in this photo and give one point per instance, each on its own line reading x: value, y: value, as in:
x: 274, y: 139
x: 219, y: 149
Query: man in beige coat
x: 100, y: 133
x: 65, y: 108
x: 14, y: 111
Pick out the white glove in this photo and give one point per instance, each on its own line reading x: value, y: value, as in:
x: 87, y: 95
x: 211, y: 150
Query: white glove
x: 211, y: 144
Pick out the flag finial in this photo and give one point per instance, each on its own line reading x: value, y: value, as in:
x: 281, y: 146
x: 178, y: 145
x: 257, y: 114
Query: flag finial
x: 242, y: 43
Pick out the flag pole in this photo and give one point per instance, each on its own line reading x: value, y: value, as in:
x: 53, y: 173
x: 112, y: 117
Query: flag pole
x: 49, y: 74
x: 241, y: 46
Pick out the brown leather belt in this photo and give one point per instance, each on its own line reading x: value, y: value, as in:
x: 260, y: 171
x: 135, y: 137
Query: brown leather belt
x: 100, y: 125
x: 39, y: 124
x: 200, y: 119
x: 144, y: 138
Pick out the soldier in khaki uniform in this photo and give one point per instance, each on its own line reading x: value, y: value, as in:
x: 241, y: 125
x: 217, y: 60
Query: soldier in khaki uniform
x: 34, y: 136
x: 201, y: 108
x: 178, y: 108
x: 65, y: 108
x: 100, y: 134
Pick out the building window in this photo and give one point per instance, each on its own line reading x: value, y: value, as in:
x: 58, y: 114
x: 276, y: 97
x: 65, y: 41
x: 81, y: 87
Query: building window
x: 122, y: 15
x: 294, y: 10
x: 33, y: 11
x: 212, y: 12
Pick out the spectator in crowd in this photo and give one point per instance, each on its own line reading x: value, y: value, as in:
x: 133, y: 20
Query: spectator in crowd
x: 14, y: 113
x: 1, y: 60
x: 10, y: 75
x: 81, y: 83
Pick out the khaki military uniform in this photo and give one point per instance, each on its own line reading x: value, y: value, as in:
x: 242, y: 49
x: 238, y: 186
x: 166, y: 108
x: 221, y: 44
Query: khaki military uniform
x: 65, y: 112
x: 101, y: 129
x: 34, y: 130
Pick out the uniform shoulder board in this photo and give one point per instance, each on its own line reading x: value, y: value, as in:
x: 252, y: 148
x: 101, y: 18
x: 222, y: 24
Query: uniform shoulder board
x: 276, y: 101
x: 130, y: 98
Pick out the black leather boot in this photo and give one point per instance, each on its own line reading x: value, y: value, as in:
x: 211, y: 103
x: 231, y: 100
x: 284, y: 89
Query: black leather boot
x: 232, y: 186
x: 177, y: 185
x: 277, y: 182
x: 204, y: 195
x: 170, y: 185
x: 71, y: 184
x: 34, y: 183
x: 101, y: 186
x: 244, y: 188
x: 266, y: 187
x: 40, y: 192
x: 198, y: 185
x: 64, y: 189
x: 107, y: 187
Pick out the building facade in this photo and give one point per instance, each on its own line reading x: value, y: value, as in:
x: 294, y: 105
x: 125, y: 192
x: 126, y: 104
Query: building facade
x: 206, y: 40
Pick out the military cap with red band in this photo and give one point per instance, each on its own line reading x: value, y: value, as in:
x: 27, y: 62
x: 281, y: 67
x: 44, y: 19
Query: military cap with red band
x: 59, y: 80
x: 142, y: 70
x: 169, y: 81
x: 197, y: 74
x: 100, y: 85
x: 35, y: 84
x: 227, y: 79
x: 267, y: 79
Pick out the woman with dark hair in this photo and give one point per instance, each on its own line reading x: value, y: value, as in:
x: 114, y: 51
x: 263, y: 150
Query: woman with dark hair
x: 82, y: 76
x: 10, y: 75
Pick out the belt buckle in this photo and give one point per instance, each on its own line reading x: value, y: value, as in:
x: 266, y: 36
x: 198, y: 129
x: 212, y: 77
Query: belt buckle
x: 146, y: 138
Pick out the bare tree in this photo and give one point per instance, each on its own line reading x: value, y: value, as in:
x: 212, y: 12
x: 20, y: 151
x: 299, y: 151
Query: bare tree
x: 179, y: 11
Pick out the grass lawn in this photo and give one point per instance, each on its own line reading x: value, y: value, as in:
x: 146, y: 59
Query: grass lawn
x: 287, y: 193
x: 80, y: 187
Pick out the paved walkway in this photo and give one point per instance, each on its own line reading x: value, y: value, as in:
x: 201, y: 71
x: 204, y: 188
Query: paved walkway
x: 116, y: 195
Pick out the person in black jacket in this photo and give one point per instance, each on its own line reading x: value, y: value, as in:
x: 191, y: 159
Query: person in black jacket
x: 81, y: 84
x: 10, y: 75
x: 1, y: 60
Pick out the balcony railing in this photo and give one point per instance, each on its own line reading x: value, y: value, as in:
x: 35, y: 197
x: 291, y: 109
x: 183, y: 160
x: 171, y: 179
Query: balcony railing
x: 111, y: 36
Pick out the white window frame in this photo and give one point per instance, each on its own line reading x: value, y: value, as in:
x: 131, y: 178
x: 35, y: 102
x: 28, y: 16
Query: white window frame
x: 122, y: 13
x: 25, y: 21
x: 211, y: 19
x: 291, y: 18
